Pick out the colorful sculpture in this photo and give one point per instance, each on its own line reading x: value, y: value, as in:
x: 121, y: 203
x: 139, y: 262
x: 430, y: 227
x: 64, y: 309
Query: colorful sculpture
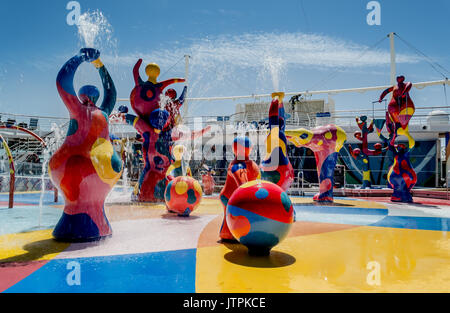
x: 325, y: 142
x: 260, y: 214
x: 151, y: 184
x: 364, y: 152
x: 178, y: 168
x: 183, y: 195
x: 240, y: 171
x: 276, y: 166
x: 208, y: 180
x: 157, y: 128
x: 150, y: 122
x: 85, y: 167
x: 173, y: 106
x: 401, y: 176
x: 400, y: 109
x: 145, y: 96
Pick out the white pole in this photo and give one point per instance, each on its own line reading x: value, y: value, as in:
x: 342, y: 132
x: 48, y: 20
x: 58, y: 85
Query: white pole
x: 393, y: 69
x: 186, y: 77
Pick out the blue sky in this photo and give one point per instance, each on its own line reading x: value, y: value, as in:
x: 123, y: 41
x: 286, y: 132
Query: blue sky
x: 316, y: 44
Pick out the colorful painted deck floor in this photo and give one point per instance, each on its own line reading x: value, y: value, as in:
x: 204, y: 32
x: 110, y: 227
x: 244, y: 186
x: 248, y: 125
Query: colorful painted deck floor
x: 354, y: 245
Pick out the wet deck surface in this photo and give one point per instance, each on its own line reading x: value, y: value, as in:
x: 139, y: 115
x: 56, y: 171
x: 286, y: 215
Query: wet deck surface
x: 355, y: 245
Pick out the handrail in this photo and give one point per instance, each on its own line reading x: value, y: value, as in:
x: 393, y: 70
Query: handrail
x: 298, y: 177
x: 447, y: 183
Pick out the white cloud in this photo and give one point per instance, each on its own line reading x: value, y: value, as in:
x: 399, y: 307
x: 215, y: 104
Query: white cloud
x: 253, y: 51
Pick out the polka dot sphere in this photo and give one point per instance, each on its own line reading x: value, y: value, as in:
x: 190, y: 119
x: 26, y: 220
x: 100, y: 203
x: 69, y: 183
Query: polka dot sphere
x: 183, y: 195
x: 260, y: 215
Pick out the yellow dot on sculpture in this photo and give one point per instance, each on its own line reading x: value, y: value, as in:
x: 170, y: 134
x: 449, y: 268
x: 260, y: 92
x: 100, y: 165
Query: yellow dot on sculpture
x: 365, y: 161
x: 249, y: 184
x: 320, y: 142
x: 198, y: 187
x: 181, y: 187
x: 328, y: 135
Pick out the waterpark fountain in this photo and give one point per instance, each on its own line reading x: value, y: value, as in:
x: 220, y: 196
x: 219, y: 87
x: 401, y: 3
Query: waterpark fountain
x: 255, y: 235
x: 158, y: 128
x: 276, y: 166
x: 364, y: 152
x: 87, y: 157
x: 401, y: 176
x: 240, y: 171
x: 325, y: 142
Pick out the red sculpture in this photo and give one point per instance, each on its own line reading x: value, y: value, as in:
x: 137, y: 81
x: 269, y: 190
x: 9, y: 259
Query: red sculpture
x: 401, y: 108
x: 85, y: 167
x: 240, y: 171
x: 208, y: 180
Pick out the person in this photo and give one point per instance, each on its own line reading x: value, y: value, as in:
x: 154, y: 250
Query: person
x: 85, y: 167
x: 240, y: 171
x: 401, y: 108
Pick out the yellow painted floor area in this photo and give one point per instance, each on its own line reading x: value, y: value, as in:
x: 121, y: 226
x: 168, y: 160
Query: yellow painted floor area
x: 360, y: 259
x: 31, y: 246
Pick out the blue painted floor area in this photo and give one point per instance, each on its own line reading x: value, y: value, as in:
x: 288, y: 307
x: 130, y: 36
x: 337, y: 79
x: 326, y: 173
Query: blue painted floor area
x: 33, y: 198
x: 367, y: 217
x: 26, y: 218
x: 157, y: 272
x: 415, y: 222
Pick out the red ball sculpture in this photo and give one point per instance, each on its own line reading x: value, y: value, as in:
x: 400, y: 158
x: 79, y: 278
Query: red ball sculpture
x: 260, y: 214
x: 183, y: 195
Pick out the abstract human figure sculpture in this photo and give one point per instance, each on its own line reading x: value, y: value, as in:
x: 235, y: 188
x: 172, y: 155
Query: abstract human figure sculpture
x: 276, y: 167
x: 401, y: 175
x: 240, y: 171
x: 173, y: 106
x: 85, y: 167
x: 400, y: 109
x: 325, y: 142
x: 145, y: 96
x: 151, y: 184
x: 364, y: 152
x: 156, y: 151
x: 153, y: 124
x: 157, y: 128
x: 177, y: 168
